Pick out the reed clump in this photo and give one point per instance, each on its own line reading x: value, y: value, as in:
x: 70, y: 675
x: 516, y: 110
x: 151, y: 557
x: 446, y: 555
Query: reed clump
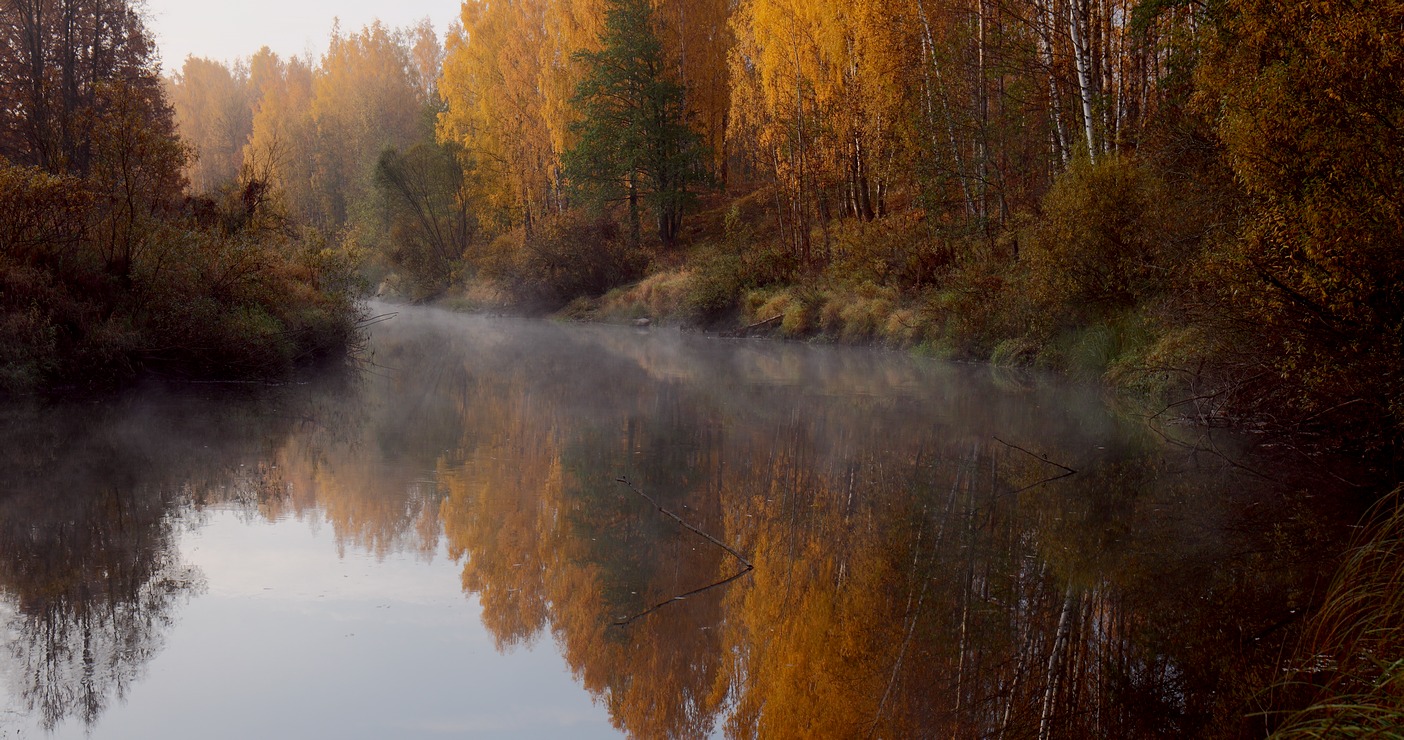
x: 1350, y: 669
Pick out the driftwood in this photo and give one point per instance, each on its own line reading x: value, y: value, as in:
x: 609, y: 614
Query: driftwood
x: 745, y: 330
x: 746, y: 566
x: 1040, y: 458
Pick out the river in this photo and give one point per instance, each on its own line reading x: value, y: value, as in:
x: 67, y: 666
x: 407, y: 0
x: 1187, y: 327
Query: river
x: 512, y: 528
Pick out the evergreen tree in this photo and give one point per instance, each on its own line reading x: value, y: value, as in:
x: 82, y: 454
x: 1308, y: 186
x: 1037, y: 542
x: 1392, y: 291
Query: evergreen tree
x: 634, y: 144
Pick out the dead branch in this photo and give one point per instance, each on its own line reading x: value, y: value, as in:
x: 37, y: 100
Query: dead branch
x: 1041, y: 458
x: 743, y: 331
x: 746, y: 566
x: 680, y: 597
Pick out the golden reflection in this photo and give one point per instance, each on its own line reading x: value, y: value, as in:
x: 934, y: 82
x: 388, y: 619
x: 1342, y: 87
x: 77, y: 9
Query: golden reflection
x: 910, y: 579
x: 913, y: 576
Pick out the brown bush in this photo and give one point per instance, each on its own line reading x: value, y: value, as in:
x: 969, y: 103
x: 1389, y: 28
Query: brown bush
x: 562, y: 259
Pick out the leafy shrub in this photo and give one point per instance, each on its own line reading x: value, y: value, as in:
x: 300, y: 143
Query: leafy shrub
x: 718, y: 280
x: 564, y: 258
x: 175, y: 295
x: 978, y: 307
x: 1105, y: 241
x: 897, y: 251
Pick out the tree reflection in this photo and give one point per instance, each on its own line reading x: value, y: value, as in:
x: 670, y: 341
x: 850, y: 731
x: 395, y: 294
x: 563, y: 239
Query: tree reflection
x: 913, y: 576
x: 95, y: 496
x: 92, y: 584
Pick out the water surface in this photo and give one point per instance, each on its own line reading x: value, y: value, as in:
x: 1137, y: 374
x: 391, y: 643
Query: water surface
x: 442, y: 547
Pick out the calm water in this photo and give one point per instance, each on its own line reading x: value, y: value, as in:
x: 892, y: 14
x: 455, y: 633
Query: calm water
x: 443, y: 548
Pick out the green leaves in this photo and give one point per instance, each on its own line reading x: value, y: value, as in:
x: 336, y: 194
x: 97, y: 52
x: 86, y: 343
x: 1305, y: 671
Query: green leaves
x: 634, y: 143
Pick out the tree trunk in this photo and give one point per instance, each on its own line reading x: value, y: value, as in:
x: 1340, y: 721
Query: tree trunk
x: 1047, y: 29
x: 635, y: 233
x: 1060, y: 642
x: 929, y: 66
x: 1082, y: 60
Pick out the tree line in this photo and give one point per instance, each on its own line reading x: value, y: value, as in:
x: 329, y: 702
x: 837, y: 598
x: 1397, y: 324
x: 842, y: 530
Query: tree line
x: 109, y: 268
x: 1198, y: 199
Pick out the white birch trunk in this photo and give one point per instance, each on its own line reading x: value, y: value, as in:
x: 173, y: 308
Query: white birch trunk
x: 1082, y: 60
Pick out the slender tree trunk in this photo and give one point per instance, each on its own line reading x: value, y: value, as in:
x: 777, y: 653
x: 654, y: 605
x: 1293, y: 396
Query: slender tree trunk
x: 1060, y: 642
x: 930, y: 67
x: 800, y: 200
x: 982, y: 113
x: 1046, y: 31
x: 635, y: 224
x: 1083, y: 62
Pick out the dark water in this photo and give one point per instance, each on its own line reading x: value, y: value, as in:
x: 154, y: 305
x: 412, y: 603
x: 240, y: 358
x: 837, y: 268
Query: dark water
x: 442, y: 548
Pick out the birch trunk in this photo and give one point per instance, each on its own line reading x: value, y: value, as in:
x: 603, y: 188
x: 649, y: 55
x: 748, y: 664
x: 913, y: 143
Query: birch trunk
x: 928, y: 47
x: 1060, y: 642
x: 1082, y: 60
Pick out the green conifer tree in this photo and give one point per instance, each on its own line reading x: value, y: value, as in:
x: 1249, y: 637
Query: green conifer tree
x: 634, y: 143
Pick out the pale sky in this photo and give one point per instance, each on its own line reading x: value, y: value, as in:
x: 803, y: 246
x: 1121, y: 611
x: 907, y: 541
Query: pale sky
x: 227, y: 30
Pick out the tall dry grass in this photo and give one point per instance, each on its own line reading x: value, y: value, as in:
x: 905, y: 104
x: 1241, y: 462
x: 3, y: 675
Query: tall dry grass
x: 1351, y: 666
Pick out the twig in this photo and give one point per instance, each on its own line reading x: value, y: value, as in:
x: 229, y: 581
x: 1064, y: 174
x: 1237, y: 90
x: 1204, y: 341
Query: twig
x: 1045, y: 480
x: 1041, y: 458
x: 1209, y: 396
x: 747, y: 567
x: 1196, y: 448
x: 372, y: 321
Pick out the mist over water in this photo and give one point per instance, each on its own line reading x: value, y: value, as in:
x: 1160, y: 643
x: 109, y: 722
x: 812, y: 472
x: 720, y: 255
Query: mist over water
x: 440, y: 546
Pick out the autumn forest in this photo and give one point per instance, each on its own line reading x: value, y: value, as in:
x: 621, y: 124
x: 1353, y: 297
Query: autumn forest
x: 1190, y: 200
x: 1196, y: 205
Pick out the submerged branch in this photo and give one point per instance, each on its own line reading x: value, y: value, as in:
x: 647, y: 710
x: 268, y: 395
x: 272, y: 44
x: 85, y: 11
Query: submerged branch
x: 372, y: 321
x: 680, y: 597
x: 1041, y: 458
x: 746, y: 330
x: 1060, y: 476
x: 747, y: 566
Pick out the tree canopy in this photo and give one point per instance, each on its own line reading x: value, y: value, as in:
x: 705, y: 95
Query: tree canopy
x: 632, y: 142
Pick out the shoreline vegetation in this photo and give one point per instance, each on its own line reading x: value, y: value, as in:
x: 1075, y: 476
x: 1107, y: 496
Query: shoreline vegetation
x: 1200, y: 202
x: 111, y: 269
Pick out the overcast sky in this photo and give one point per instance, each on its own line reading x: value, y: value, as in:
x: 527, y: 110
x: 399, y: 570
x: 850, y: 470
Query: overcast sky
x: 226, y: 30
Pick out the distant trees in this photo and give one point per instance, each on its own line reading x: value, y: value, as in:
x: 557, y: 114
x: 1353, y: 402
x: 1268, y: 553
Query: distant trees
x: 366, y: 96
x: 108, y: 268
x: 430, y: 226
x: 214, y: 109
x: 346, y: 144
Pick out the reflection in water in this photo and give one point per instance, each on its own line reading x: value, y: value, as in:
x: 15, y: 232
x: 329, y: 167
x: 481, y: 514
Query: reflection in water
x: 910, y: 577
x: 89, y: 576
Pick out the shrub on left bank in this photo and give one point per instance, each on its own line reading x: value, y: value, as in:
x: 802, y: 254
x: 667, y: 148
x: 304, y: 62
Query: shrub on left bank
x: 91, y: 295
x: 108, y: 269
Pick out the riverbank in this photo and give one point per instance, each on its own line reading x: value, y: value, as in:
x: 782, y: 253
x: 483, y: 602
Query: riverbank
x: 94, y: 296
x: 1160, y: 308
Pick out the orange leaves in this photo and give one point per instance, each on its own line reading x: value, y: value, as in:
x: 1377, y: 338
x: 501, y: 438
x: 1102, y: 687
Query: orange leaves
x: 509, y: 75
x: 495, y: 106
x: 214, y: 113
